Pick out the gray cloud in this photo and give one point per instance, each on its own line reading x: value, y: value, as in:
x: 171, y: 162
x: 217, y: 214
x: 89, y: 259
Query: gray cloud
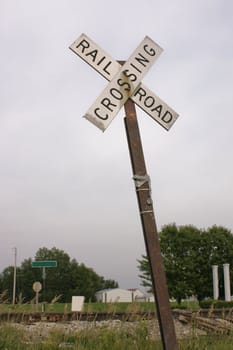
x: 66, y: 184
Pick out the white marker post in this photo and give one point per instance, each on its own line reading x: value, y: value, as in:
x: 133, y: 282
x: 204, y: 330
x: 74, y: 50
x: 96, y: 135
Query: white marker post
x: 215, y: 282
x: 227, y: 286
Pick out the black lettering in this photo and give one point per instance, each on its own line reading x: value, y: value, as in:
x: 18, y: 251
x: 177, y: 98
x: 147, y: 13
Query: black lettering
x: 116, y: 94
x: 142, y: 60
x: 164, y: 117
x: 131, y: 76
x: 141, y: 92
x: 85, y: 44
x: 158, y: 109
x: 101, y: 60
x: 149, y: 101
x: 150, y: 51
x: 99, y: 116
x: 107, y: 65
x: 132, y: 65
x: 93, y: 54
x: 121, y: 82
x: 107, y: 103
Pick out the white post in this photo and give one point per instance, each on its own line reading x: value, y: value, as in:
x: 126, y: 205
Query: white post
x: 227, y: 286
x: 215, y: 282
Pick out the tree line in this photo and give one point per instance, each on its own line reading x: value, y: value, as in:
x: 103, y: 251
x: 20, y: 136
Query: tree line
x: 188, y: 254
x: 67, y: 279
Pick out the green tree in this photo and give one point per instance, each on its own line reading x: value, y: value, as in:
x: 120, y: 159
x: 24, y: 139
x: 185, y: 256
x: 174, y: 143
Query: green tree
x: 67, y: 279
x: 188, y: 255
x: 7, y: 282
x: 57, y: 279
x: 145, y: 273
x: 110, y: 284
x: 26, y: 276
x: 179, y: 248
x: 85, y: 281
x: 216, y: 249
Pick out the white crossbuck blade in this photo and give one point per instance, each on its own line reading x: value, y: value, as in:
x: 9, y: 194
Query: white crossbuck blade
x: 124, y: 82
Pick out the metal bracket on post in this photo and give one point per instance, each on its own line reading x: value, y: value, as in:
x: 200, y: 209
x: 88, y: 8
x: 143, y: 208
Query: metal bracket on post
x: 140, y: 180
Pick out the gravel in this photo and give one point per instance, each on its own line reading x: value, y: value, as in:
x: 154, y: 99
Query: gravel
x: 39, y: 331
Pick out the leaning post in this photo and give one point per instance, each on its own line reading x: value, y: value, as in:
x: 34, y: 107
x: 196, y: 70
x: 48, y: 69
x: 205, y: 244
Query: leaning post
x: 125, y: 88
x: 143, y: 191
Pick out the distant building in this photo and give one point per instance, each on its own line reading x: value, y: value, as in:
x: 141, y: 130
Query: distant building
x: 137, y: 295
x: 118, y: 295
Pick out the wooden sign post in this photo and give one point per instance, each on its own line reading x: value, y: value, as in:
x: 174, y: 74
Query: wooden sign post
x: 125, y: 89
x: 143, y: 191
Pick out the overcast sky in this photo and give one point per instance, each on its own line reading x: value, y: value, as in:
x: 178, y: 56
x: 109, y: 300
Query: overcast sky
x: 66, y: 184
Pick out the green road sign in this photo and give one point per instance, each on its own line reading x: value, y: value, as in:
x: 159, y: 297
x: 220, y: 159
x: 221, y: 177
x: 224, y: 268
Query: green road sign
x: 44, y: 263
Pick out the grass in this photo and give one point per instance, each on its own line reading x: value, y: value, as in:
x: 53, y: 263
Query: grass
x: 207, y: 343
x: 105, y: 338
x: 96, y: 339
x: 122, y: 338
x: 94, y: 307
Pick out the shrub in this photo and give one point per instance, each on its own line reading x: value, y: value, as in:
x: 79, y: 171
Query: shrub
x: 216, y: 304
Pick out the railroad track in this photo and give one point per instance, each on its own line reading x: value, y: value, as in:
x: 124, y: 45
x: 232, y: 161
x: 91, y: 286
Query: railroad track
x: 75, y: 316
x: 212, y: 321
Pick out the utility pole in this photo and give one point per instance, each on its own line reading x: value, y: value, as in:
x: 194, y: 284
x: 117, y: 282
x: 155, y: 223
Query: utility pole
x: 14, y: 275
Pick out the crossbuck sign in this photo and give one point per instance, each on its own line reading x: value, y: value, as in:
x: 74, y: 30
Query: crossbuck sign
x: 125, y: 82
x: 125, y: 88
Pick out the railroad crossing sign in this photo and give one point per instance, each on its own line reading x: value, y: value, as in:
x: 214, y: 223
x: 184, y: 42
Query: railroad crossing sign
x: 125, y: 82
x: 125, y: 88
